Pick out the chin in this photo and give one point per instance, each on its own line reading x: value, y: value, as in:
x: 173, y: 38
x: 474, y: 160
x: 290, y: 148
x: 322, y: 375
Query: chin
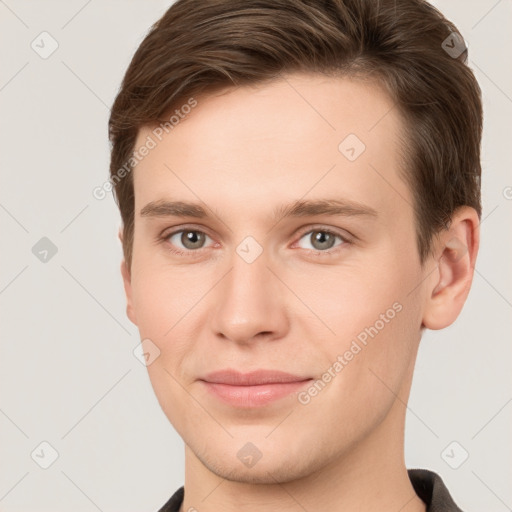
x: 278, y: 468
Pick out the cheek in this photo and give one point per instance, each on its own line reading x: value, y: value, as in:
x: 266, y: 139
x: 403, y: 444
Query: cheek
x: 370, y: 371
x: 161, y: 309
x: 376, y: 322
x: 162, y: 297
x: 153, y: 304
x: 170, y: 306
x: 349, y: 299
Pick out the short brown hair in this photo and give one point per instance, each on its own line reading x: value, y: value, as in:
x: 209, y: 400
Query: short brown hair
x: 199, y: 46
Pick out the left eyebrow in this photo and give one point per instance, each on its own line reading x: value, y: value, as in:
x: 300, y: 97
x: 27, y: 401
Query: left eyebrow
x: 337, y: 207
x: 298, y: 208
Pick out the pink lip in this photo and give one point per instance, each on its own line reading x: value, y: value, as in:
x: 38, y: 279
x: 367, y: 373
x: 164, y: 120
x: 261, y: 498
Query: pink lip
x: 252, y: 389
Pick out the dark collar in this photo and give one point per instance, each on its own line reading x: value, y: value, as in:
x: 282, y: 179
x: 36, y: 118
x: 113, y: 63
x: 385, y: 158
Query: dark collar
x: 431, y: 489
x: 428, y: 486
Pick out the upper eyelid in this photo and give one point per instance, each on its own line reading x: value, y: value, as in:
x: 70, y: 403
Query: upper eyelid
x: 336, y: 231
x: 298, y: 233
x: 172, y: 231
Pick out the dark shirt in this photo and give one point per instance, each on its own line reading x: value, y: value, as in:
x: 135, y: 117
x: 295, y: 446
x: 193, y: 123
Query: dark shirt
x: 427, y: 485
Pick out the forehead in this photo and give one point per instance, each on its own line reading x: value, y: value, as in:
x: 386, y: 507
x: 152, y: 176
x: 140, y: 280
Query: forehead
x: 302, y: 134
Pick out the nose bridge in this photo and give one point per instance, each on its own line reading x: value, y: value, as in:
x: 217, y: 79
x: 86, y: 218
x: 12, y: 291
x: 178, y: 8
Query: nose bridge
x: 248, y: 297
x: 249, y: 282
x: 250, y: 277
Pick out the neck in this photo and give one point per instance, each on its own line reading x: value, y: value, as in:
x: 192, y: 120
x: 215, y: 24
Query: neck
x: 370, y: 476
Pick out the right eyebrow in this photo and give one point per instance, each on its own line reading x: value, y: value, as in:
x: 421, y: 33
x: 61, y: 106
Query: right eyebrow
x: 299, y: 208
x: 173, y: 209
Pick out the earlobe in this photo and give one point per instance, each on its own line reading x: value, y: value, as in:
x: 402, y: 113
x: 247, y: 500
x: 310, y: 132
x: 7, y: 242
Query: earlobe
x: 125, y: 272
x: 449, y: 286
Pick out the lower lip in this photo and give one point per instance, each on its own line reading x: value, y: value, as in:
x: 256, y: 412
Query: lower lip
x: 253, y: 396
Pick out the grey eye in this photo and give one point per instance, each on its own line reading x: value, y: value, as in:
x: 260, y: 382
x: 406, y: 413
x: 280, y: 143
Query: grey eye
x: 321, y: 240
x: 189, y: 238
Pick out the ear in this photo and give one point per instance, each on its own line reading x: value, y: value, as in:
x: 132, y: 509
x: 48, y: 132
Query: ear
x: 125, y: 272
x: 455, y: 255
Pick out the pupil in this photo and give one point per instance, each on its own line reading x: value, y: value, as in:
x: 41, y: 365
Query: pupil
x: 193, y: 238
x: 321, y: 237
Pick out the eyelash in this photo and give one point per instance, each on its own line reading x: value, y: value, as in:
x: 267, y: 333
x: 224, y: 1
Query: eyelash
x: 329, y: 252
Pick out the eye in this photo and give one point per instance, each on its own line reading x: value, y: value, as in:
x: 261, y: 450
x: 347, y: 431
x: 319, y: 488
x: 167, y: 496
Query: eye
x: 190, y: 240
x: 322, y: 240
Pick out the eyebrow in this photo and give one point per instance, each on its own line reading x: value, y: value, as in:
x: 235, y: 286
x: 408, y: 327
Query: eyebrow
x: 298, y: 208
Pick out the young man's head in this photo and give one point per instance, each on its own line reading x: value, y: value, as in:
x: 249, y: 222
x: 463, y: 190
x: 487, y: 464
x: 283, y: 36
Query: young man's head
x: 299, y: 184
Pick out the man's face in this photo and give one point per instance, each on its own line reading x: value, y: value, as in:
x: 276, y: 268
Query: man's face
x: 251, y: 290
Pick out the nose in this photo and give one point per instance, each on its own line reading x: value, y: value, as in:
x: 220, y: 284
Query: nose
x: 251, y: 303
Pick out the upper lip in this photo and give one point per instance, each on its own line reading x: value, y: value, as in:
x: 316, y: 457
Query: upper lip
x: 254, y: 378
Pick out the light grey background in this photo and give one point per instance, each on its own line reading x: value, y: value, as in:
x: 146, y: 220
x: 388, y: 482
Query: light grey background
x: 68, y: 374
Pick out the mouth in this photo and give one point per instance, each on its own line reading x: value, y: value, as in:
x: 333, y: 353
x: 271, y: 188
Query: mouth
x: 254, y: 389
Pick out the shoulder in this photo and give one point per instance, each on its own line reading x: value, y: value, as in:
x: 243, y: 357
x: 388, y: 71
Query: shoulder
x: 430, y: 487
x: 175, y: 501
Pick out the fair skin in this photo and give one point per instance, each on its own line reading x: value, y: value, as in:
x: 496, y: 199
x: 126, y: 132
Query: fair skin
x: 240, y: 154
